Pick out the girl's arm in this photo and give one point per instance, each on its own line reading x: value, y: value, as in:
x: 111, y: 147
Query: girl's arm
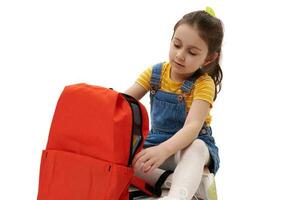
x: 197, y: 114
x: 136, y: 91
x: 152, y: 157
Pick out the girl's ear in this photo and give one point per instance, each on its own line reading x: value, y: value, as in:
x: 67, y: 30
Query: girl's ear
x: 210, y: 59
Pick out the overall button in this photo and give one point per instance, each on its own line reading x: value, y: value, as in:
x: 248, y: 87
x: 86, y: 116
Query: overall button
x: 180, y: 98
x: 153, y: 92
x: 204, y: 131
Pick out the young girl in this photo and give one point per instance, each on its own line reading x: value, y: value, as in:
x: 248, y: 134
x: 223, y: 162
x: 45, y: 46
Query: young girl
x: 182, y: 92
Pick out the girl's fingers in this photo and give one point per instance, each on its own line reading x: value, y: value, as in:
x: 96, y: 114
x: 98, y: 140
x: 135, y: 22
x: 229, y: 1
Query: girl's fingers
x: 140, y: 163
x: 146, y: 169
x: 147, y: 165
x: 138, y: 155
x: 152, y: 168
x: 136, y: 158
x: 141, y: 166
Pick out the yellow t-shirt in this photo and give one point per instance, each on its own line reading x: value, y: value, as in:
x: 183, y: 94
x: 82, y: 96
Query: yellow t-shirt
x: 203, y: 89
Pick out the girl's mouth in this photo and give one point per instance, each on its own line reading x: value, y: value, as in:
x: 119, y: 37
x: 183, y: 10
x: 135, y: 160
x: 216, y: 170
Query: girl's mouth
x: 178, y: 64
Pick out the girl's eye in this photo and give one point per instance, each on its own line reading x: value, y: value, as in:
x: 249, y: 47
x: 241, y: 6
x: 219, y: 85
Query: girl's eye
x: 176, y: 45
x: 192, y: 53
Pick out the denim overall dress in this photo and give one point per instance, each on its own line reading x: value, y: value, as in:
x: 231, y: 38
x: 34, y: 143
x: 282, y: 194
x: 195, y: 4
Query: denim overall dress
x: 168, y: 114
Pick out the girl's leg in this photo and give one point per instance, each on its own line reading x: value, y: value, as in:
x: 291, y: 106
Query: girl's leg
x: 152, y: 177
x: 188, y: 173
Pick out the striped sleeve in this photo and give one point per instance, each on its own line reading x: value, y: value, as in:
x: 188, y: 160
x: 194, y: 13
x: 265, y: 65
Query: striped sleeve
x: 144, y: 78
x: 204, y: 89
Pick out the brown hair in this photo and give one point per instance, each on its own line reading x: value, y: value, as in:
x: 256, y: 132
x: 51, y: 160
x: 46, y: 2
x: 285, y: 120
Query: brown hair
x: 211, y: 31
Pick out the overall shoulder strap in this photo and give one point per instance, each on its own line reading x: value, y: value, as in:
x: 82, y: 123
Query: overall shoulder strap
x: 189, y: 83
x: 156, y: 76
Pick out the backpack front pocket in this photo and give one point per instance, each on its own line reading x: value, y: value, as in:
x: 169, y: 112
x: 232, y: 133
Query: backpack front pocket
x: 70, y: 176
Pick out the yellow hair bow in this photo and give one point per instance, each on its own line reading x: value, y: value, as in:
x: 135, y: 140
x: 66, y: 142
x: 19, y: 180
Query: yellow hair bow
x: 210, y: 11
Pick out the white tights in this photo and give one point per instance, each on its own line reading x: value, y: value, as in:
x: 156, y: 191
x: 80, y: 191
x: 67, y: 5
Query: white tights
x: 189, y: 165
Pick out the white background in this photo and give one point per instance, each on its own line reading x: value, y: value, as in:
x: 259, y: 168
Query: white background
x: 45, y: 45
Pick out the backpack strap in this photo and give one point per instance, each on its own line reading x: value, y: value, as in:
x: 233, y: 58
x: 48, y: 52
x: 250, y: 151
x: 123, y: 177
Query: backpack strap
x: 136, y: 135
x: 144, y: 189
x: 163, y: 178
x: 155, y: 80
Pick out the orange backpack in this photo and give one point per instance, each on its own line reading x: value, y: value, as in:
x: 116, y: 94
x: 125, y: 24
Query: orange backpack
x: 94, y: 135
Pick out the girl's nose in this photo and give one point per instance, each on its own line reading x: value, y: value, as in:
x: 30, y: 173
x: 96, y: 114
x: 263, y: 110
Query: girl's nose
x: 180, y: 55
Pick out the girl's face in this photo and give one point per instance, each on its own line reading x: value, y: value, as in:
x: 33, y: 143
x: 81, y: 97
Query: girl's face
x: 188, y: 52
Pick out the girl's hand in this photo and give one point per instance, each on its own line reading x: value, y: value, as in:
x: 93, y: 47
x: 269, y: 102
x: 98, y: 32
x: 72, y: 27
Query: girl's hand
x: 150, y: 158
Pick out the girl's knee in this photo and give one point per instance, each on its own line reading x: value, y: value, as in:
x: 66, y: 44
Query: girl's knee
x: 198, y: 146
